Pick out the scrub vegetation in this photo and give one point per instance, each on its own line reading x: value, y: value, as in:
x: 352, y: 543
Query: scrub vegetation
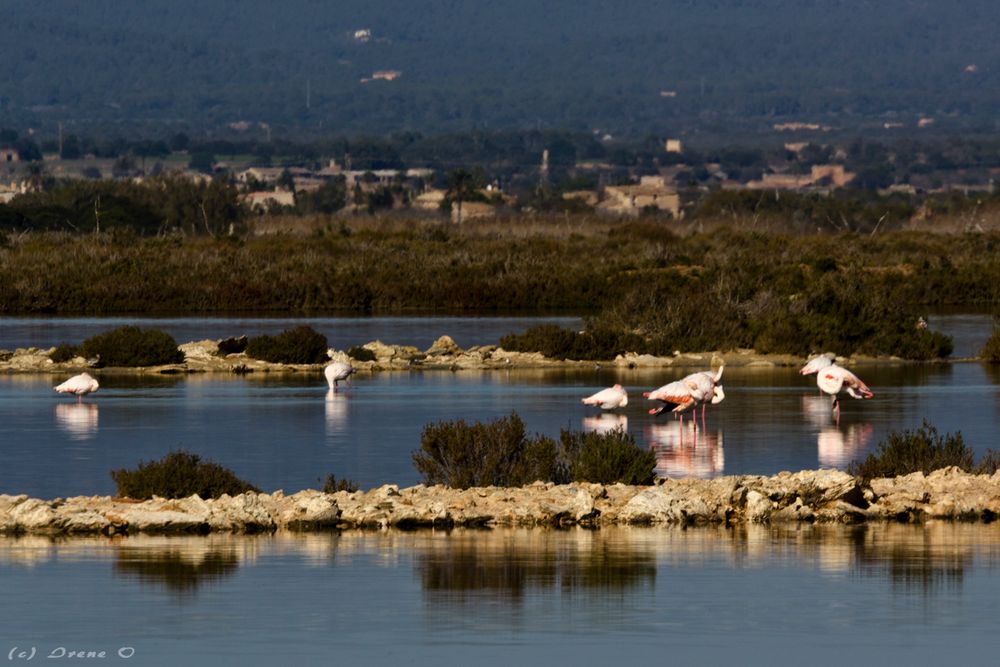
x: 647, y: 286
x: 131, y: 347
x: 301, y: 345
x: 923, y: 450
x: 499, y: 453
x: 179, y: 475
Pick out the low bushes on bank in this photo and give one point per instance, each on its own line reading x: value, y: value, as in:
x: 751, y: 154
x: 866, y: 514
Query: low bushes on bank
x: 301, y: 345
x: 499, y: 453
x: 923, y: 450
x: 179, y: 475
x: 132, y: 347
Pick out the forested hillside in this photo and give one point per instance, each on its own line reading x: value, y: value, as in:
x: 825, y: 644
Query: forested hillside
x: 626, y: 68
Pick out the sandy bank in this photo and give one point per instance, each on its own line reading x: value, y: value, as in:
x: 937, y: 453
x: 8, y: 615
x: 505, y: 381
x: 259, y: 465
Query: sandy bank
x: 821, y: 496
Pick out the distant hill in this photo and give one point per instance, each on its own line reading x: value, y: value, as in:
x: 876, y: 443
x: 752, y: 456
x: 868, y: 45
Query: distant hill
x: 626, y: 68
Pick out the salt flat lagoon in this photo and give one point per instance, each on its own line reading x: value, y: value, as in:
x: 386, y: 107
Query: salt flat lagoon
x: 749, y: 595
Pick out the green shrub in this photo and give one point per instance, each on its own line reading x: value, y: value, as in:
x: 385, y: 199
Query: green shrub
x: 918, y: 451
x: 464, y: 455
x: 301, y: 345
x: 132, y: 346
x: 64, y: 352
x: 232, y: 345
x: 991, y: 351
x: 333, y: 485
x: 361, y: 353
x: 179, y: 475
x: 557, y: 343
x: 606, y: 458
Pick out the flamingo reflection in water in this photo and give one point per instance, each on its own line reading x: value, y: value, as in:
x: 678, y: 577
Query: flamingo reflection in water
x: 836, y: 446
x: 685, y: 451
x: 605, y: 423
x: 79, y: 420
x: 336, y: 410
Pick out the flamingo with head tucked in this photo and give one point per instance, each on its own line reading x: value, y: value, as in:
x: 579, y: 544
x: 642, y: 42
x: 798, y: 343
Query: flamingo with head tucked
x: 689, y: 392
x: 608, y: 399
x: 79, y: 385
x: 336, y: 372
x: 834, y: 379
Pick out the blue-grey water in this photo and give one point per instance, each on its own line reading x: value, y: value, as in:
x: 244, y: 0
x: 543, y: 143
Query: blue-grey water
x: 816, y: 595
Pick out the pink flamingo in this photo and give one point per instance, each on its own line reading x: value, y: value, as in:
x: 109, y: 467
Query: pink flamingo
x: 689, y: 392
x: 80, y: 385
x: 817, y: 363
x: 833, y: 379
x: 608, y: 399
x: 336, y: 372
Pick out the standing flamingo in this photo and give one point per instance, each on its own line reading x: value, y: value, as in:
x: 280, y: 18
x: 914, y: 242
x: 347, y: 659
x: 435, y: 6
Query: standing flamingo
x: 689, y: 392
x: 80, y: 385
x: 817, y: 363
x: 337, y: 371
x: 608, y: 399
x: 833, y: 379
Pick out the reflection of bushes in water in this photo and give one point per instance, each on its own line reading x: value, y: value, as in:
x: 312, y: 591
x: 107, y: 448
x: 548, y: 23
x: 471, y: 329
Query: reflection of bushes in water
x: 468, y: 566
x: 173, y: 570
x: 921, y: 565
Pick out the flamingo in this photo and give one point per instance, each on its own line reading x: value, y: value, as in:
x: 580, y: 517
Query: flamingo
x: 833, y: 379
x: 337, y: 371
x: 80, y: 385
x: 689, y: 392
x: 818, y: 363
x: 608, y: 399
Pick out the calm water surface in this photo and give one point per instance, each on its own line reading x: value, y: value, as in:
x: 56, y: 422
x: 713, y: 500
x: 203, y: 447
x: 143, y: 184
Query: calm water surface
x: 289, y: 432
x: 818, y: 595
x: 806, y: 595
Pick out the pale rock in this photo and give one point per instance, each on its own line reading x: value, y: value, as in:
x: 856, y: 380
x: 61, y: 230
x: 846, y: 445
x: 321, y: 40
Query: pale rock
x: 443, y: 346
x: 758, y: 507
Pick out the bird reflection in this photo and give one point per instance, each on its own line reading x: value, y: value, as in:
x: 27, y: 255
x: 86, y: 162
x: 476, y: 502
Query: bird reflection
x: 336, y: 410
x: 837, y: 447
x: 604, y: 423
x: 79, y: 420
x: 682, y: 450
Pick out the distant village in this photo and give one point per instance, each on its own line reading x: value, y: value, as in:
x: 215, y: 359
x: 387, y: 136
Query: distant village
x: 665, y: 186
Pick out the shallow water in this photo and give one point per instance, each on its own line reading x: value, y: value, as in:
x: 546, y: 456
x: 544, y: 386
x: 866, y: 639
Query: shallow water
x: 289, y: 432
x: 819, y: 595
x: 826, y: 595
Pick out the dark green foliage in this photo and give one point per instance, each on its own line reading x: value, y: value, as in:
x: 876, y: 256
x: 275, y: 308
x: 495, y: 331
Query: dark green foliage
x: 606, y: 458
x: 179, y: 475
x: 301, y: 345
x: 464, y: 455
x: 233, y: 345
x: 333, y: 485
x: 64, y: 352
x: 461, y: 455
x: 915, y: 451
x: 361, y: 353
x: 991, y: 351
x: 989, y: 464
x: 557, y: 343
x: 131, y: 346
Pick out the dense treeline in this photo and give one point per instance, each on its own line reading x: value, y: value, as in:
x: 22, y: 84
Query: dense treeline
x: 647, y: 288
x: 163, y: 204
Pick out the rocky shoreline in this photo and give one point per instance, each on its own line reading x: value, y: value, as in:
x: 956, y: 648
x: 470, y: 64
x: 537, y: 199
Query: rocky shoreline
x: 812, y: 496
x: 444, y: 354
